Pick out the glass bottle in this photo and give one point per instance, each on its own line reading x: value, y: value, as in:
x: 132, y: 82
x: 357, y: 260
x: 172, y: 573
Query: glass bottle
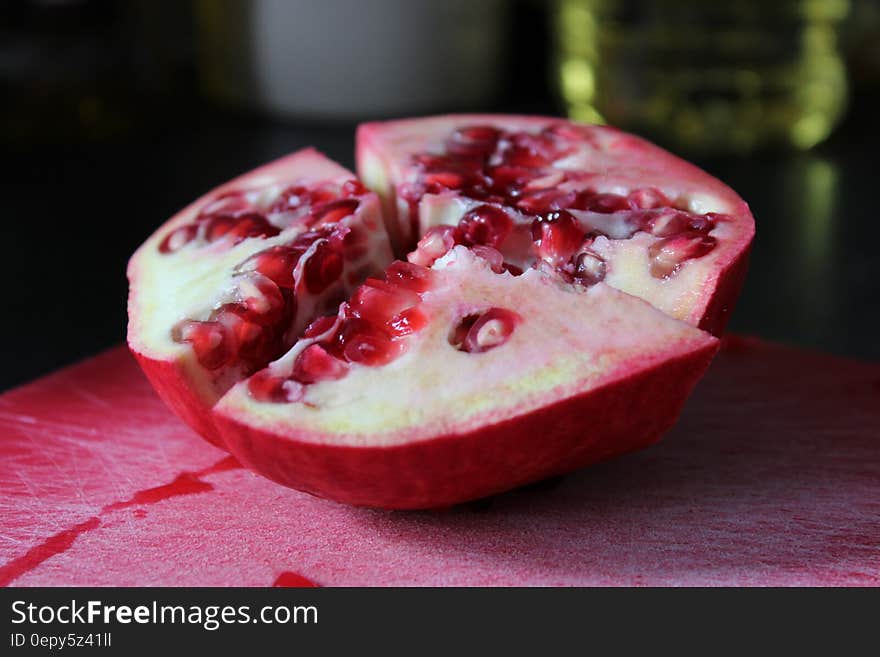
x: 704, y: 76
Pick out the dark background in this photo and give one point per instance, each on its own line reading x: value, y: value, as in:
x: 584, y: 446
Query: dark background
x: 106, y: 134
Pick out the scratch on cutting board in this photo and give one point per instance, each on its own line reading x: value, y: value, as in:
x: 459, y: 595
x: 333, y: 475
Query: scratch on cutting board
x: 186, y: 483
x: 89, y: 397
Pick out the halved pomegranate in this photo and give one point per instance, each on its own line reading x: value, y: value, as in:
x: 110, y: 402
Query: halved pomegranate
x: 227, y: 284
x: 652, y: 225
x: 556, y: 307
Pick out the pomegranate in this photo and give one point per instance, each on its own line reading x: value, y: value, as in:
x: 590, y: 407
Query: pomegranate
x: 228, y: 284
x: 557, y: 304
x: 656, y: 227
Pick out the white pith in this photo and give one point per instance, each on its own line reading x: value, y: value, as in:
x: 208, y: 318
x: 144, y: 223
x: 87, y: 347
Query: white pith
x: 569, y: 341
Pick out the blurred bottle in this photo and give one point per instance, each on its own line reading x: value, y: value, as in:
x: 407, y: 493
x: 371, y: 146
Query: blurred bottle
x: 350, y: 59
x: 705, y: 76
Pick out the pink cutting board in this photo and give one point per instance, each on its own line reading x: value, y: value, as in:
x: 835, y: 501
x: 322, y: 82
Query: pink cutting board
x: 772, y: 477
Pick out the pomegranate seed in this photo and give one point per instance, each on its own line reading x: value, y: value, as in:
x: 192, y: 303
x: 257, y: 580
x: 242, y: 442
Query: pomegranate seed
x: 490, y: 255
x: 314, y: 364
x: 407, y: 322
x: 557, y: 236
x: 209, y: 341
x: 589, y: 268
x: 473, y: 141
x: 668, y: 222
x: 178, y: 238
x: 275, y: 263
x: 262, y: 298
x: 333, y: 211
x: 541, y: 144
x: 598, y: 202
x: 569, y: 131
x: 662, y: 224
x: 435, y: 244
x: 324, y: 194
x: 305, y: 240
x: 507, y: 179
x: 323, y: 268
x: 267, y: 387
x: 253, y: 343
x: 484, y: 224
x: 446, y: 179
x: 512, y: 269
x: 545, y: 200
x: 217, y: 226
x: 647, y: 199
x: 368, y: 349
x: 230, y: 203
x: 231, y: 308
x: 358, y: 341
x: 319, y: 326
x: 378, y: 302
x: 456, y: 164
x: 667, y: 255
x: 492, y: 329
x: 254, y: 225
x: 290, y: 199
x: 353, y: 188
x: 464, y: 149
x: 410, y: 276
x: 519, y: 156
x: 482, y: 134
x: 239, y: 227
x: 351, y: 240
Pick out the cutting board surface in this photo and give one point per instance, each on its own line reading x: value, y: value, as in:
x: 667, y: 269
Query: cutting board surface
x: 771, y: 477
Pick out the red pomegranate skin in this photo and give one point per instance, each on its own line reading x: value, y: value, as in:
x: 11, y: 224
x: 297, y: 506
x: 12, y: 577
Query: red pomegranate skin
x: 449, y: 469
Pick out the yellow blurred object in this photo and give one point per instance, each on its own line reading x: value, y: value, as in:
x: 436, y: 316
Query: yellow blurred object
x: 707, y: 76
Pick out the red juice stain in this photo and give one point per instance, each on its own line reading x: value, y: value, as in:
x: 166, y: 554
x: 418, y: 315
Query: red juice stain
x: 186, y: 483
x: 55, y: 544
x: 289, y: 579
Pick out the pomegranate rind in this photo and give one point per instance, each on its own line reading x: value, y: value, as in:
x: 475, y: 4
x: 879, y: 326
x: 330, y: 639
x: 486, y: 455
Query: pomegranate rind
x: 176, y: 386
x: 452, y: 468
x: 172, y: 368
x: 702, y: 294
x: 392, y: 451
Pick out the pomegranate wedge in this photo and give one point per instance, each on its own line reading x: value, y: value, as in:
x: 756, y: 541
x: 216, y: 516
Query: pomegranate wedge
x: 499, y: 381
x: 650, y: 223
x: 227, y: 284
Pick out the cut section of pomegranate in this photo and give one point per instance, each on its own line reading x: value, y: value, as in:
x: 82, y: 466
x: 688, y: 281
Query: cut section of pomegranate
x: 505, y: 380
x: 662, y: 229
x: 556, y: 306
x: 227, y: 284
